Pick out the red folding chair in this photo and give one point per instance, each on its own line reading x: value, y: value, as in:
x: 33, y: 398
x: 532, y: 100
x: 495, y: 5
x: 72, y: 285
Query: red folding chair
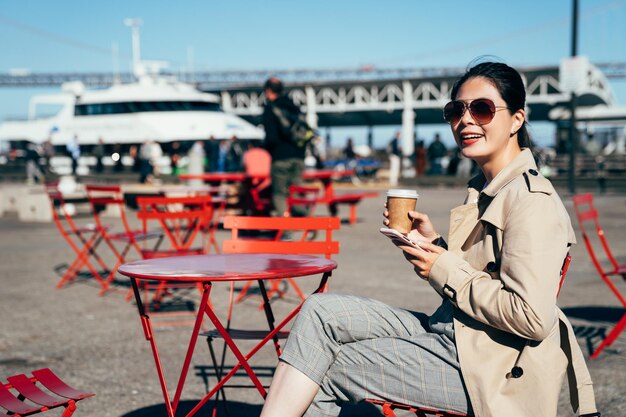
x: 255, y: 189
x: 303, y: 196
x: 388, y: 407
x: 44, y: 391
x: 587, y: 213
x: 84, y: 239
x: 238, y: 244
x: 183, y: 220
x: 280, y: 225
x: 110, y: 199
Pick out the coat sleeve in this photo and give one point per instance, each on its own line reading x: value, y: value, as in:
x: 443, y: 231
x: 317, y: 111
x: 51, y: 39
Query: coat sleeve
x: 522, y: 298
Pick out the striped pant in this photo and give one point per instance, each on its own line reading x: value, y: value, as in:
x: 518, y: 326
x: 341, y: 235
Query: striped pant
x: 357, y: 348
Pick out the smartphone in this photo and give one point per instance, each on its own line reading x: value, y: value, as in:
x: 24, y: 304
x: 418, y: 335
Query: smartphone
x: 398, y: 237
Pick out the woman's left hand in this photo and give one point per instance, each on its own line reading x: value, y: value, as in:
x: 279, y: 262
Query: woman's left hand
x: 423, y: 257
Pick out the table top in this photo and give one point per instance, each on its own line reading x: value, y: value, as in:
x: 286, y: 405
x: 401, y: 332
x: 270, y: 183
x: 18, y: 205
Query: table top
x: 227, y: 267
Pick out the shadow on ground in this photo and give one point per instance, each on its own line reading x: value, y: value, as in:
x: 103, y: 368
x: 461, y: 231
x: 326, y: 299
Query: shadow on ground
x: 593, y: 333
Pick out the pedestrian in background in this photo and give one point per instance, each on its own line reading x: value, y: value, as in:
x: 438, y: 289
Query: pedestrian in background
x: 395, y: 154
x: 349, y: 154
x: 196, y: 162
x: 47, y: 151
x: 420, y: 158
x: 287, y: 154
x: 436, y: 151
x: 235, y: 155
x: 98, y: 153
x: 33, y: 169
x: 174, y: 153
x: 73, y: 150
x: 211, y: 152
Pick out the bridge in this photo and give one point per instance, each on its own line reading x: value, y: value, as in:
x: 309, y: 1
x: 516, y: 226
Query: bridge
x: 415, y: 98
x: 366, y: 96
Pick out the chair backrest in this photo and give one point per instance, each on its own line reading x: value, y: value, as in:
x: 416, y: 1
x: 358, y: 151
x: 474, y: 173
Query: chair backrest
x: 237, y: 244
x: 62, y: 212
x: 181, y: 218
x: 586, y: 212
x: 257, y: 162
x: 305, y: 196
x: 103, y: 197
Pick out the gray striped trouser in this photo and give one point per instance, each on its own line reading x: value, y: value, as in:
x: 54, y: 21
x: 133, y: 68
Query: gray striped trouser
x: 357, y: 348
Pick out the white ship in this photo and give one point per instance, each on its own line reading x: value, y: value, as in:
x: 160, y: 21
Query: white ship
x: 153, y: 108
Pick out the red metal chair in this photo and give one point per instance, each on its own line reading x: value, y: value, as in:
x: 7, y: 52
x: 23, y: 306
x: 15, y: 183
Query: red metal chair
x: 388, y: 407
x: 56, y: 394
x: 256, y: 187
x: 306, y: 197
x: 587, y: 213
x: 182, y: 220
x: 110, y: 198
x: 238, y: 244
x: 293, y: 225
x: 84, y: 239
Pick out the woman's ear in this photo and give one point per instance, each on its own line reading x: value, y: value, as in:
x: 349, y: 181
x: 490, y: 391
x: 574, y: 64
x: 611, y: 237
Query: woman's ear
x: 518, y: 121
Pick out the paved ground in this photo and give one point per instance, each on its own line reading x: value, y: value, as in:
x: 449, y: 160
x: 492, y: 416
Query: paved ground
x: 96, y: 343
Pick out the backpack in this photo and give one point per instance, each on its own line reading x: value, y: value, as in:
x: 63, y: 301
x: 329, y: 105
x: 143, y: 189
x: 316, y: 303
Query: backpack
x: 294, y: 126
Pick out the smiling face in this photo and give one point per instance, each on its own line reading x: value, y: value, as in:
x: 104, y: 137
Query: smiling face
x: 492, y: 145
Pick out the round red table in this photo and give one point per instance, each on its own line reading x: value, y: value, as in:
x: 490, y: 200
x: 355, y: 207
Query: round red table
x: 206, y: 269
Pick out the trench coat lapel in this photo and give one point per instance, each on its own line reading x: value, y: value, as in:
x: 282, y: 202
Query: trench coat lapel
x: 465, y: 220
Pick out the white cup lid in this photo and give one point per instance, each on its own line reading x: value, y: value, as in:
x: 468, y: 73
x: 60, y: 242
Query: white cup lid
x: 402, y: 193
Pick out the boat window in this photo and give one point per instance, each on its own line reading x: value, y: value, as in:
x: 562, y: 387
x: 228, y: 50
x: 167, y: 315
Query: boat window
x: 94, y: 109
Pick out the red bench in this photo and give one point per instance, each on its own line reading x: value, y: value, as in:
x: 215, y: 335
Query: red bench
x: 348, y: 198
x: 57, y: 394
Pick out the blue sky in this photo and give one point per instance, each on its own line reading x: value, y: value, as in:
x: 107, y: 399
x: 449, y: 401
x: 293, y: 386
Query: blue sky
x: 73, y: 35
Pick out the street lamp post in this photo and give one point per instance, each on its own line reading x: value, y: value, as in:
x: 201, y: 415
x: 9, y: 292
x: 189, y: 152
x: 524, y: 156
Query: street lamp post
x: 573, y: 136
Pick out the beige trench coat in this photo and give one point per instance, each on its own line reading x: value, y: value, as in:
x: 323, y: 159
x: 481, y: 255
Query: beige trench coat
x: 506, y: 245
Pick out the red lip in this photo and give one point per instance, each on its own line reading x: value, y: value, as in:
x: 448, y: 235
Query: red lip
x: 469, y: 142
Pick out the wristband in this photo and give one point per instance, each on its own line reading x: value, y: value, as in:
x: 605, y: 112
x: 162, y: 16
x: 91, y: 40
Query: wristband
x: 440, y: 241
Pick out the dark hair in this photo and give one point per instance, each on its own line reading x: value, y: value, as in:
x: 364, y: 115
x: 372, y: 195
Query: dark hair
x: 509, y: 84
x: 274, y: 84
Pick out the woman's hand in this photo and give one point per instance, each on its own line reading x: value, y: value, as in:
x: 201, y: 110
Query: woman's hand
x: 422, y: 232
x: 422, y: 228
x: 422, y: 258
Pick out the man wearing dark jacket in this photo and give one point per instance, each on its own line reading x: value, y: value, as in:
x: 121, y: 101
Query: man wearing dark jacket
x: 287, y: 155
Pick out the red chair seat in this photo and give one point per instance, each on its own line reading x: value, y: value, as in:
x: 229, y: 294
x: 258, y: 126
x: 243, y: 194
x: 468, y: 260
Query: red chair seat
x: 52, y: 382
x: 137, y: 235
x: 27, y: 389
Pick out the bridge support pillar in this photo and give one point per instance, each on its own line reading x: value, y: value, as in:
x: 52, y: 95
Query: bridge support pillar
x: 227, y: 104
x: 408, y: 129
x: 311, y: 111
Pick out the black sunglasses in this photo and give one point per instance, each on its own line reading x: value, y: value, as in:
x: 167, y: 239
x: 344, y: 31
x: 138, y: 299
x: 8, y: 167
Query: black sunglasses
x: 482, y: 110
